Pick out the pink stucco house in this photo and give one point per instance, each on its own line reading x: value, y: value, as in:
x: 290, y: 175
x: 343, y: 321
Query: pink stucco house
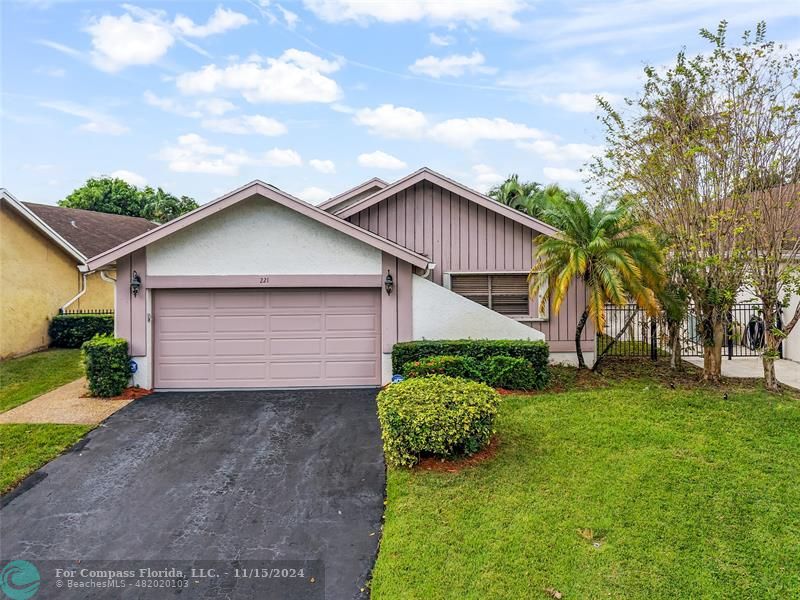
x: 258, y: 289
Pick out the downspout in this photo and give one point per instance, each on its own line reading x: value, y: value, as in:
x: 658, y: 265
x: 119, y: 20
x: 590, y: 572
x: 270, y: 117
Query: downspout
x: 427, y: 272
x: 76, y: 296
x: 105, y: 277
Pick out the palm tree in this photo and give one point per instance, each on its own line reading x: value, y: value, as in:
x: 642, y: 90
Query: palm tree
x: 605, y: 247
x: 527, y: 196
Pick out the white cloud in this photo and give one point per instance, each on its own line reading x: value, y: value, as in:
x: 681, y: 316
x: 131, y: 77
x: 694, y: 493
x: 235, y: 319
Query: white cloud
x: 142, y: 37
x: 51, y: 71
x: 441, y: 40
x: 498, y: 14
x: 558, y: 174
x: 246, y: 125
x: 193, y: 154
x: 221, y: 21
x: 454, y: 65
x: 392, y: 121
x: 486, y: 177
x: 579, y: 75
x: 121, y: 42
x: 94, y: 121
x: 215, y: 106
x: 551, y: 150
x: 282, y: 157
x: 465, y: 132
x: 288, y: 16
x: 314, y: 195
x: 130, y: 177
x: 295, y: 76
x: 64, y: 49
x: 323, y: 166
x: 380, y: 160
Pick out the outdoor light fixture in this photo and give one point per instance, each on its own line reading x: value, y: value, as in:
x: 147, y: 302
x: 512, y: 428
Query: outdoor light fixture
x: 388, y: 283
x: 136, y: 283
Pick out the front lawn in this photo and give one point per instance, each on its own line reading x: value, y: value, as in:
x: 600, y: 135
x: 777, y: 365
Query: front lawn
x: 632, y: 490
x: 25, y: 378
x: 26, y: 447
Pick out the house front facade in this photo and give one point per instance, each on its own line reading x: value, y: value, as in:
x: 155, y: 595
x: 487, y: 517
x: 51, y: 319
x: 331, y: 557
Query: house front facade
x: 258, y: 289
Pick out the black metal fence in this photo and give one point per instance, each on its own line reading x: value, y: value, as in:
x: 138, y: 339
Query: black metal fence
x: 88, y: 311
x: 644, y: 336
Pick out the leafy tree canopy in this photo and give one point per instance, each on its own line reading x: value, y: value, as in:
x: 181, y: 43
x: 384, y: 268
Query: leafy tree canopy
x: 115, y: 196
x: 530, y: 197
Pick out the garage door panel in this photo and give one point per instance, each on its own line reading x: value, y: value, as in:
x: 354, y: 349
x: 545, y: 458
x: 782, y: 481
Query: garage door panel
x: 243, y: 299
x: 295, y: 346
x: 351, y: 345
x: 266, y: 338
x: 292, y: 323
x: 240, y: 372
x: 240, y: 323
x: 184, y: 348
x: 354, y: 322
x: 239, y: 347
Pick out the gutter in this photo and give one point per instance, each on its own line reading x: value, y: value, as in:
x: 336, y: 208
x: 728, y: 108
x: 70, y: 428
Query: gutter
x: 76, y: 296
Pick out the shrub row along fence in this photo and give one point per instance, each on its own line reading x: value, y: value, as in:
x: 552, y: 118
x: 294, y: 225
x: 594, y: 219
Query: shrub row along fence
x: 87, y: 311
x: 647, y: 337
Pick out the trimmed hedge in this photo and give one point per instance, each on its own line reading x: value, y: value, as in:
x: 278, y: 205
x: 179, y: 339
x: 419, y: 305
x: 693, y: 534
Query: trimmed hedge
x: 71, y: 331
x: 108, y: 368
x: 511, y: 373
x: 435, y: 416
x: 535, y: 352
x: 453, y: 366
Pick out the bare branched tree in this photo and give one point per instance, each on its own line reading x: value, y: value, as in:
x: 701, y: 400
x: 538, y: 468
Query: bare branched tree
x: 687, y: 149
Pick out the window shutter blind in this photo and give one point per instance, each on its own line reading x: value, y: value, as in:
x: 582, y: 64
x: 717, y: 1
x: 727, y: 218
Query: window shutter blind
x: 474, y: 287
x: 503, y: 293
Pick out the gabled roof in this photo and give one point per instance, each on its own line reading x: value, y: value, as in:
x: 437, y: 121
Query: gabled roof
x: 426, y: 174
x: 26, y: 213
x: 258, y: 188
x: 90, y: 232
x: 374, y: 184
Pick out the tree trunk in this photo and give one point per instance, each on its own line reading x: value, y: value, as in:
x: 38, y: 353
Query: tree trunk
x: 712, y: 354
x: 578, y: 332
x: 674, y: 345
x: 770, y: 352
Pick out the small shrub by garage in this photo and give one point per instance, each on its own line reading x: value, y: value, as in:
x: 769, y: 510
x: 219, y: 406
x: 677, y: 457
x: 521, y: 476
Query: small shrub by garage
x: 435, y: 416
x: 71, y: 331
x: 537, y: 353
x: 511, y: 373
x: 454, y: 366
x: 107, y: 365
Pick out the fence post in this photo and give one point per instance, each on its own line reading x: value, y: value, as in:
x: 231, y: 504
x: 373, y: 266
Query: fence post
x: 729, y: 333
x: 779, y: 324
x: 653, y: 339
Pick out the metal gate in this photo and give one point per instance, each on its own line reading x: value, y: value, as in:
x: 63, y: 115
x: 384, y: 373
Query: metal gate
x: 645, y: 336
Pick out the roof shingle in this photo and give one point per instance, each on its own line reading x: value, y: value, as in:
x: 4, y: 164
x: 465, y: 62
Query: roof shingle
x: 90, y: 232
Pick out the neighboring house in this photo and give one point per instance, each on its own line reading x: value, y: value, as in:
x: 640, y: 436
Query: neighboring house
x: 259, y: 289
x: 41, y: 250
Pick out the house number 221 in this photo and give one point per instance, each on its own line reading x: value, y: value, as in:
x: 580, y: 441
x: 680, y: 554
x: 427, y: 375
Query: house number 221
x: 263, y: 280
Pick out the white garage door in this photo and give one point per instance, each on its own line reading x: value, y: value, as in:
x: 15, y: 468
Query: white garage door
x: 266, y: 338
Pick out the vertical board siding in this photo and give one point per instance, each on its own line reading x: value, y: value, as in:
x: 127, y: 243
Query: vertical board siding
x: 459, y: 235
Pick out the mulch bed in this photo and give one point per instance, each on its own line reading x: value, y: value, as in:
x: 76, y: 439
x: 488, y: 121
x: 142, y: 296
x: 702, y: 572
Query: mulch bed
x: 456, y: 465
x: 129, y: 393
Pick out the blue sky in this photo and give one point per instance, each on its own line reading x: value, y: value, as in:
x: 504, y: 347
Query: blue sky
x: 316, y: 96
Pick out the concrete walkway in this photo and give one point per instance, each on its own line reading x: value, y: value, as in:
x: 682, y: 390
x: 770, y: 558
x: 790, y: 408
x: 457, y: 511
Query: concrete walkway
x: 65, y: 404
x: 787, y: 371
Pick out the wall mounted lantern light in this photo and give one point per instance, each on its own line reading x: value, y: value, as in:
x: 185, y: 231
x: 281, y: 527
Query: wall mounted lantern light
x: 388, y: 283
x: 136, y: 283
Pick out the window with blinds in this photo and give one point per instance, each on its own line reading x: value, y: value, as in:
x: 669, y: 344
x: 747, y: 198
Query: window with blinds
x: 504, y: 293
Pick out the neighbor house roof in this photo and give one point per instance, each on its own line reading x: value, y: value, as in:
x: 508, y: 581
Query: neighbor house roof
x: 258, y: 188
x: 368, y: 187
x: 37, y: 223
x: 426, y: 174
x: 88, y: 231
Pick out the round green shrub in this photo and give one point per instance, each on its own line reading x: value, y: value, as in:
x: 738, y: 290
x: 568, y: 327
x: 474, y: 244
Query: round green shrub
x: 455, y: 366
x: 107, y: 365
x: 512, y: 373
x: 435, y: 416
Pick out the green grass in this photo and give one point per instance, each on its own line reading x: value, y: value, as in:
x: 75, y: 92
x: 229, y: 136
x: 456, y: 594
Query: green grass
x: 26, y: 447
x: 688, y: 495
x: 25, y: 378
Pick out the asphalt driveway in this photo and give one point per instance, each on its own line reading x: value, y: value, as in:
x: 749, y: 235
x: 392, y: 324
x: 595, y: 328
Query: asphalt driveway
x: 294, y: 476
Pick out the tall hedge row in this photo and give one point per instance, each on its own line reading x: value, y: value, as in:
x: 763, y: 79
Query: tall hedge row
x: 71, y: 331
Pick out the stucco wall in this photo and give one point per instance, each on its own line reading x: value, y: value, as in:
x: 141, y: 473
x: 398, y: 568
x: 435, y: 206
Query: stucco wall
x: 439, y: 314
x: 99, y: 294
x: 36, y: 278
x: 260, y: 236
